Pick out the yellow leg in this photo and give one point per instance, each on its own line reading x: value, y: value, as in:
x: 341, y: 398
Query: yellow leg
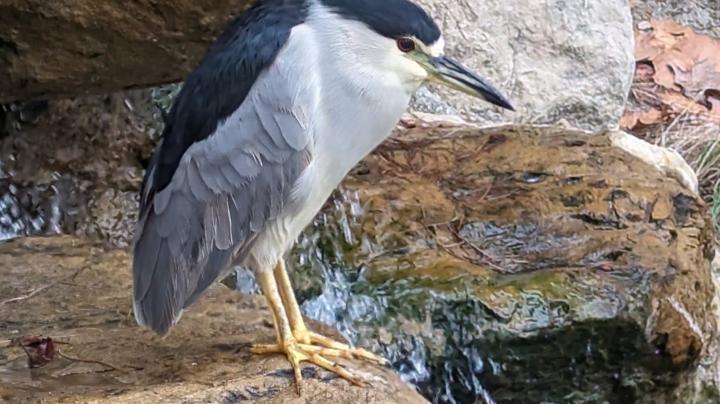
x: 297, y: 324
x: 300, y: 331
x: 282, y: 326
x: 287, y: 343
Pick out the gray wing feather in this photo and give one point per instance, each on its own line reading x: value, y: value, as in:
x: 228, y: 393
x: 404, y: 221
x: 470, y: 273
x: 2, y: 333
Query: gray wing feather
x: 224, y: 191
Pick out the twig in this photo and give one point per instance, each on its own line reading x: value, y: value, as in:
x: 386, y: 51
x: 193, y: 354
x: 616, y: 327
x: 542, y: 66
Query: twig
x: 17, y: 343
x: 7, y: 343
x: 34, y: 292
x: 28, y: 295
x: 489, y: 260
x: 107, y: 365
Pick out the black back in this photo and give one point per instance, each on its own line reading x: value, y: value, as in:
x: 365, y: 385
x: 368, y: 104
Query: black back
x: 220, y: 83
x: 389, y: 18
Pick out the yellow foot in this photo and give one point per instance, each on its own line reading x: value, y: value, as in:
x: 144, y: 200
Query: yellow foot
x: 311, y: 338
x: 297, y: 353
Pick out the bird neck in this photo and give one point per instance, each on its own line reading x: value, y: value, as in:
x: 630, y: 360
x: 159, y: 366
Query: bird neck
x: 362, y: 99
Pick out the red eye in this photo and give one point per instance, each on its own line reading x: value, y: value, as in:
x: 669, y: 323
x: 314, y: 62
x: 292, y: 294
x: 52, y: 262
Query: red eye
x: 406, y: 44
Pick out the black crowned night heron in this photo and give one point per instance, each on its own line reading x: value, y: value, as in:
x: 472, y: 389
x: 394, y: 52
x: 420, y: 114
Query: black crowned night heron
x: 283, y: 105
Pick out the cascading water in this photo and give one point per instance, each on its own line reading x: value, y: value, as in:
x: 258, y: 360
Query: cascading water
x: 28, y: 211
x: 426, y: 340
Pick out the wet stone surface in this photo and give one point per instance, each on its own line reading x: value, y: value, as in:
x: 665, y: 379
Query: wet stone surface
x: 76, y: 166
x: 512, y: 263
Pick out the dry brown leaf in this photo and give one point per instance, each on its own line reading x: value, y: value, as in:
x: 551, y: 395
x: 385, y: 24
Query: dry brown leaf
x: 40, y: 351
x: 663, y: 37
x: 676, y: 103
x: 699, y: 78
x: 644, y: 71
x: 682, y: 58
x: 705, y: 72
x: 646, y: 118
x: 677, y: 76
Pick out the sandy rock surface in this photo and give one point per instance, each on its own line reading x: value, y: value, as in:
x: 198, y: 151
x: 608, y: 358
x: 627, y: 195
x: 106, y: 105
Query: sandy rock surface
x: 84, y: 305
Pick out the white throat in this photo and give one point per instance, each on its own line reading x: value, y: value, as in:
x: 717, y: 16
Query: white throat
x: 365, y: 85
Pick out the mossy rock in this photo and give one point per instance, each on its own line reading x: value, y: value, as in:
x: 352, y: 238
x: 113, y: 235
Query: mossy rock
x: 517, y: 263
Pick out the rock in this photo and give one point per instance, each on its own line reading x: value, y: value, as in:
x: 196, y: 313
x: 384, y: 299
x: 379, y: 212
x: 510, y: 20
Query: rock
x: 73, y: 47
x: 701, y: 15
x: 440, y: 312
x: 557, y: 61
x: 520, y: 262
x: 87, y: 159
x: 667, y: 160
x: 78, y: 294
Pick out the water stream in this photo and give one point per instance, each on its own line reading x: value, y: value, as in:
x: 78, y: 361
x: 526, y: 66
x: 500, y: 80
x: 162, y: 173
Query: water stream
x: 408, y: 324
x: 28, y: 211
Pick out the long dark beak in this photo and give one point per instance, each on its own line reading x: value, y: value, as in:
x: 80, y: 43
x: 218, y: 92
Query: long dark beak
x: 454, y: 75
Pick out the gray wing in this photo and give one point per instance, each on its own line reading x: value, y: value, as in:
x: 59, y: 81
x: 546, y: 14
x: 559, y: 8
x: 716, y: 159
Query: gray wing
x: 224, y: 191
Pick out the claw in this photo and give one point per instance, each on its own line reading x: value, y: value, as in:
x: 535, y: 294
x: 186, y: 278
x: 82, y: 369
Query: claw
x: 333, y: 367
x: 357, y: 353
x: 297, y: 353
x: 294, y: 339
x: 345, y: 351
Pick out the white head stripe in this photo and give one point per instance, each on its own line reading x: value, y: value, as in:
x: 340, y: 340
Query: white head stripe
x: 438, y: 48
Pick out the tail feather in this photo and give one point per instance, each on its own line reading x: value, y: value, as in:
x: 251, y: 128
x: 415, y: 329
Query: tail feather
x: 171, y: 270
x: 157, y: 293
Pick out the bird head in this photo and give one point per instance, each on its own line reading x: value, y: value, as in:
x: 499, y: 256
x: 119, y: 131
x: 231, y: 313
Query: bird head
x: 403, y: 39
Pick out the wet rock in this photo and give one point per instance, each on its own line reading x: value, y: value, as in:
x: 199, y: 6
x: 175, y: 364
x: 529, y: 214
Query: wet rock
x: 557, y: 61
x: 76, y: 47
x: 81, y: 301
x: 520, y: 262
x: 78, y: 166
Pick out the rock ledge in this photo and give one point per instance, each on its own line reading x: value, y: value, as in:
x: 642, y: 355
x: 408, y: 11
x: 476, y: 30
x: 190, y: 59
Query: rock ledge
x: 204, y: 359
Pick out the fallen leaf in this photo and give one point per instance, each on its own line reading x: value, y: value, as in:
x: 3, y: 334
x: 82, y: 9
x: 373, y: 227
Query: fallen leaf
x: 644, y: 71
x: 700, y: 77
x: 632, y: 119
x: 677, y: 76
x: 681, y: 57
x: 40, y: 351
